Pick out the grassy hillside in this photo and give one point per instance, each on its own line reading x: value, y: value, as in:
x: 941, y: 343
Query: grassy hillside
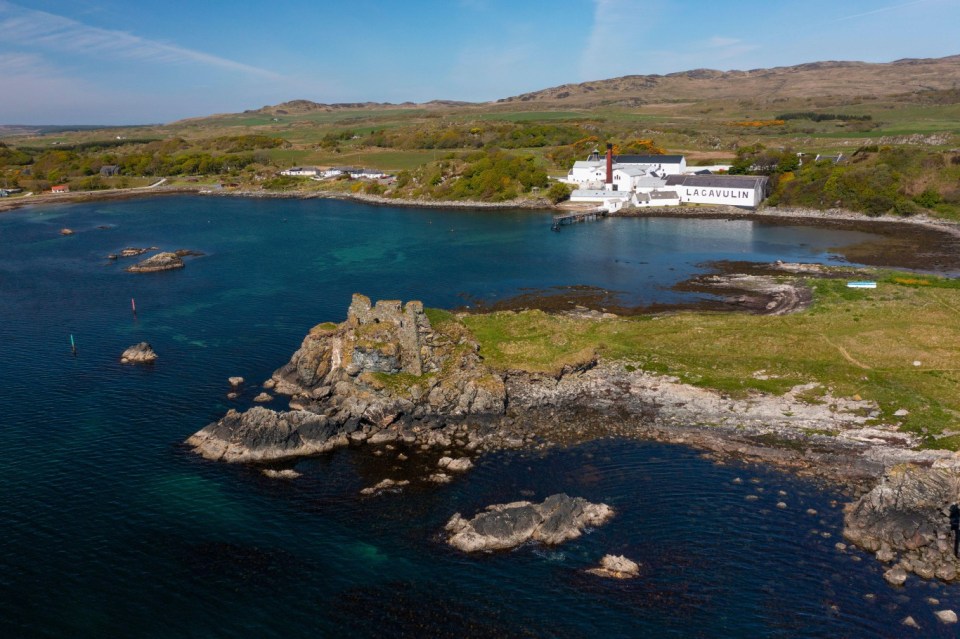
x: 707, y: 115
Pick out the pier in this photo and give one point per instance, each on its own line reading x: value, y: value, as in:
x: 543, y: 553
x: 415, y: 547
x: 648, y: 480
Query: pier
x: 577, y: 218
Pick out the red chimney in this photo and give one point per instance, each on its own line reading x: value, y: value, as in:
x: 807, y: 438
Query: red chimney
x: 609, y: 164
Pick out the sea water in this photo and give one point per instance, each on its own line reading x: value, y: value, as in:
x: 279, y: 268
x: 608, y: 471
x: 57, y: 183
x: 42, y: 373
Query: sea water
x: 110, y: 528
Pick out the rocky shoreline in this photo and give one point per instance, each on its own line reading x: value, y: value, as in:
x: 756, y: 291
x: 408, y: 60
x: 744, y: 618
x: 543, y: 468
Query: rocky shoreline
x: 389, y: 375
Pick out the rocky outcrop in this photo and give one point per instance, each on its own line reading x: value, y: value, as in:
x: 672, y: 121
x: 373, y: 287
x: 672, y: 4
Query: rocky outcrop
x: 384, y: 367
x: 505, y: 526
x: 387, y: 361
x: 141, y: 353
x: 616, y: 567
x: 158, y: 262
x: 260, y: 434
x: 906, y: 519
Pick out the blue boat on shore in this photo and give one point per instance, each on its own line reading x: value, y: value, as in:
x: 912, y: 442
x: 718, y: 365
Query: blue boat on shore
x: 864, y: 284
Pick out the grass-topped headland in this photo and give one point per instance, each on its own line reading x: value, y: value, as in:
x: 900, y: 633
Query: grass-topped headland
x: 898, y: 345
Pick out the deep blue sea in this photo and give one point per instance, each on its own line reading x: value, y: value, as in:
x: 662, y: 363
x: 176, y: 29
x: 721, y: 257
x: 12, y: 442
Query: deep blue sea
x: 110, y: 528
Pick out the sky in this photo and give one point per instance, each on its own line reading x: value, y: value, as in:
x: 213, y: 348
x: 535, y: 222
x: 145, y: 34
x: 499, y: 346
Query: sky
x: 138, y: 62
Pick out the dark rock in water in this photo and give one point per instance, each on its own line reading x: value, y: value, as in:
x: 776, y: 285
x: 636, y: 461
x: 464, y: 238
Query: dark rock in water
x: 188, y: 253
x: 158, y: 262
x: 260, y: 434
x: 908, y: 515
x: 141, y: 353
x: 504, y: 526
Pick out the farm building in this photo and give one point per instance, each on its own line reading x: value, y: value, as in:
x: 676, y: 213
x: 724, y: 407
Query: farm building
x: 60, y: 188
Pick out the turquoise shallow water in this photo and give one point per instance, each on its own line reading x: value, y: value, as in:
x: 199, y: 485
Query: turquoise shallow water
x: 110, y: 528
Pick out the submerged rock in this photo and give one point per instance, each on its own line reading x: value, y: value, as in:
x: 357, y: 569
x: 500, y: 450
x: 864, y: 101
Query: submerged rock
x: 386, y: 484
x: 616, y: 567
x: 286, y: 473
x: 158, y: 262
x: 505, y: 526
x: 141, y: 353
x: 134, y: 252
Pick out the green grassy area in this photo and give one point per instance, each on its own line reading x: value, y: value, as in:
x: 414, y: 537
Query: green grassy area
x: 530, y: 116
x: 853, y: 342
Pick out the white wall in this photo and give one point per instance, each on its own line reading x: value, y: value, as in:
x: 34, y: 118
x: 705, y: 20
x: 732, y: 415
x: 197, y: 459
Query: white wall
x: 719, y: 195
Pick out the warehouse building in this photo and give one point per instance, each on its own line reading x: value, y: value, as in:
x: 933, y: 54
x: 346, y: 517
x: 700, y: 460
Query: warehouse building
x: 734, y: 190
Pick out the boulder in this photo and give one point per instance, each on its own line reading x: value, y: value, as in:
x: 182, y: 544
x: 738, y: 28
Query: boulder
x: 235, y: 381
x: 896, y: 576
x: 504, y: 526
x: 946, y: 616
x: 455, y: 465
x: 66, y: 231
x: 141, y: 353
x: 158, y: 262
x: 263, y: 397
x: 616, y: 567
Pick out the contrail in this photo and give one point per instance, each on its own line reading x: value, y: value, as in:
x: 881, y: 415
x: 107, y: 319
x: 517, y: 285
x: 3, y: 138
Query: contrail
x: 890, y: 8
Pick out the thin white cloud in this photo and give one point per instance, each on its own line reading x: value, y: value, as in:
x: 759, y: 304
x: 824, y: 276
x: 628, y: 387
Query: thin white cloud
x: 39, y: 29
x: 720, y: 41
x: 606, y: 53
x: 880, y: 10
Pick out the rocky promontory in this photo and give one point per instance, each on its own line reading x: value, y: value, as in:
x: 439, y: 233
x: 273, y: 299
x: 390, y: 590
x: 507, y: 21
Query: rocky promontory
x: 386, y: 368
x: 503, y: 526
x: 906, y: 520
x: 393, y: 374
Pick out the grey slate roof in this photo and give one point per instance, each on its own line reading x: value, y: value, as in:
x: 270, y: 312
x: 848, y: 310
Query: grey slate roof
x: 718, y: 181
x: 664, y: 195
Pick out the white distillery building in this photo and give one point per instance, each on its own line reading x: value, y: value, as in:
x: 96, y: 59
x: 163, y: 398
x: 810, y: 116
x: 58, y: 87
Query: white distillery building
x: 301, y: 171
x: 735, y: 190
x: 592, y: 172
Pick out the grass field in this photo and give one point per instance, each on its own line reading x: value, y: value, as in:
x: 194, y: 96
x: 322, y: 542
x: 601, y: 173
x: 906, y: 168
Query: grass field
x: 852, y: 342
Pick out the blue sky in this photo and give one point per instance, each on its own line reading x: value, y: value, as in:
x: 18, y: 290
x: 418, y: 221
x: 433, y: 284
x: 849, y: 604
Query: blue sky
x: 125, y: 62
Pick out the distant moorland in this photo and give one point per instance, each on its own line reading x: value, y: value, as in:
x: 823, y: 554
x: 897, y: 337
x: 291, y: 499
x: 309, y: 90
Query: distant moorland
x: 896, y: 124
